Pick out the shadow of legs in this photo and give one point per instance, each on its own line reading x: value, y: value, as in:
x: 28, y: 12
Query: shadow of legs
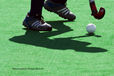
x: 41, y: 40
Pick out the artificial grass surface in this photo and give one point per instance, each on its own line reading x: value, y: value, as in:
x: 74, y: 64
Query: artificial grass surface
x: 65, y: 51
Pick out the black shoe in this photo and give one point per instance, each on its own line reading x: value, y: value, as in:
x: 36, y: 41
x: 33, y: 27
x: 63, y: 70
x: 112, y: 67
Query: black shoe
x: 35, y: 24
x: 59, y: 9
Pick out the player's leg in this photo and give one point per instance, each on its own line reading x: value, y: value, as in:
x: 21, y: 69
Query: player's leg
x: 36, y: 8
x: 34, y: 19
x: 59, y: 7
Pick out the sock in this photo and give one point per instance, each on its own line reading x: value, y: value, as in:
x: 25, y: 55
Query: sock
x: 36, y: 8
x: 60, y: 1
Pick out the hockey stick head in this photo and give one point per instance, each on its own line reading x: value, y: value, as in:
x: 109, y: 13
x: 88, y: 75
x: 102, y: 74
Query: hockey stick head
x: 97, y: 14
x: 100, y: 14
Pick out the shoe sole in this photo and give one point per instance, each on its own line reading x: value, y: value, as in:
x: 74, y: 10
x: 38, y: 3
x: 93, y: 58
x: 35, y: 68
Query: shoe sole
x: 25, y: 25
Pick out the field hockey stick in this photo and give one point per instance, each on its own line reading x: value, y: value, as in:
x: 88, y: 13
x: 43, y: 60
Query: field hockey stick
x: 97, y: 14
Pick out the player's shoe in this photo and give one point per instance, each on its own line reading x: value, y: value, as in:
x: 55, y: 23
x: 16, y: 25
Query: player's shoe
x: 35, y: 24
x: 59, y: 9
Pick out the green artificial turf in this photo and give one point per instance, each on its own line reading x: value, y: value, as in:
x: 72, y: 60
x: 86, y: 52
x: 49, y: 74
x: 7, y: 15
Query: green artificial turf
x: 65, y: 51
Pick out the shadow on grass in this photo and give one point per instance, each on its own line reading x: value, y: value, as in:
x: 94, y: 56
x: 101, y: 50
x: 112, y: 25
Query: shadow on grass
x: 41, y: 39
